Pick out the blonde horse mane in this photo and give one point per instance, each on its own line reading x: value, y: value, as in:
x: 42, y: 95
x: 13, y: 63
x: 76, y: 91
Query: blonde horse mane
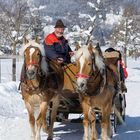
x: 84, y: 51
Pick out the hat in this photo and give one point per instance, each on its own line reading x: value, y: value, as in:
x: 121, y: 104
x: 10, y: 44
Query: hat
x: 59, y: 24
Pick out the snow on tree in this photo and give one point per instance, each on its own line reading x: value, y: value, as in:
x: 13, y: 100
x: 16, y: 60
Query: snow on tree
x: 16, y: 22
x: 94, y: 20
x: 126, y: 31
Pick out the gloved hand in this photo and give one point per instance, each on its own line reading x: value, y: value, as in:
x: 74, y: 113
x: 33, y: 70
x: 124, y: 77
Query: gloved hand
x: 60, y: 60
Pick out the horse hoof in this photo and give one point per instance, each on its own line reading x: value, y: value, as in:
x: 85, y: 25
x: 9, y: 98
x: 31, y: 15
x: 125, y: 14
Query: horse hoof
x: 49, y: 139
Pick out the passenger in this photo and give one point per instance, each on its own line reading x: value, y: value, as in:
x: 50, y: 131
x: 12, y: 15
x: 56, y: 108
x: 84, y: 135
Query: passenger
x: 123, y: 71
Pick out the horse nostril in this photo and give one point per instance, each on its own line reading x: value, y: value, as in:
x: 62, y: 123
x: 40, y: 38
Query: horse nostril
x: 30, y: 74
x: 82, y: 84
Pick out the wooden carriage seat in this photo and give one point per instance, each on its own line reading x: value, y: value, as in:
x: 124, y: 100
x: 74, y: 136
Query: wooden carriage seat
x: 111, y: 57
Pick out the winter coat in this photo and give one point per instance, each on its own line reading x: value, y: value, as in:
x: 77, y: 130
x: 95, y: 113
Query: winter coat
x: 57, y: 48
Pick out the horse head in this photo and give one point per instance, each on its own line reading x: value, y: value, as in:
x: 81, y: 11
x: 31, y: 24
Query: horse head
x: 34, y: 60
x: 88, y: 59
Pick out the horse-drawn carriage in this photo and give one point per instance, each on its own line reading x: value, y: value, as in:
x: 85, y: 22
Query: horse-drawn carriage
x: 89, y: 86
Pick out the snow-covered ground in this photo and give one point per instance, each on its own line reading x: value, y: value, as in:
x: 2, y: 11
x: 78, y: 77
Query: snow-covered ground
x: 14, y: 121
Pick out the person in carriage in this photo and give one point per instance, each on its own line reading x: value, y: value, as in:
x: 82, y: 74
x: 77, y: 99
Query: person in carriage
x: 123, y: 70
x: 56, y: 46
x: 57, y: 49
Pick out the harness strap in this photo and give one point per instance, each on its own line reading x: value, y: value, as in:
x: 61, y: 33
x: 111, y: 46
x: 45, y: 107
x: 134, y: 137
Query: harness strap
x: 102, y: 84
x: 80, y: 75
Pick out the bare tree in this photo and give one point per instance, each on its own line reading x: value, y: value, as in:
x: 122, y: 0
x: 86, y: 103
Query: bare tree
x: 15, y: 21
x: 125, y: 31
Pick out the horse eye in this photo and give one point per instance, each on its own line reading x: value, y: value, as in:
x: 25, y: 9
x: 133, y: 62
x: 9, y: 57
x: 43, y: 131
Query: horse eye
x: 89, y: 64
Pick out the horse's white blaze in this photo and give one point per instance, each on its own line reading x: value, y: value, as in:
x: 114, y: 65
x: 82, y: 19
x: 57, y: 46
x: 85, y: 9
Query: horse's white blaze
x: 32, y: 50
x: 80, y: 79
x: 82, y: 61
x: 31, y: 67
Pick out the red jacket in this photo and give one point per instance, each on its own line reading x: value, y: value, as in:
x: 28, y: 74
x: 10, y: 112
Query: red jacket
x: 55, y: 48
x: 124, y: 69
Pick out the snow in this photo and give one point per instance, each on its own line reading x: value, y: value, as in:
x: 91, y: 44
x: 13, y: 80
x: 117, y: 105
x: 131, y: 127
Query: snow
x: 91, y: 4
x: 14, y: 120
x: 48, y: 29
x: 87, y: 16
x: 1, y: 53
x: 98, y: 1
x: 41, y: 7
x: 48, y: 18
x: 112, y: 19
x: 14, y: 33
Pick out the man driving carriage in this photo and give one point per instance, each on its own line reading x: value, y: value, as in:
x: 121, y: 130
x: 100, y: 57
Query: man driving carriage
x: 56, y: 46
x: 57, y: 50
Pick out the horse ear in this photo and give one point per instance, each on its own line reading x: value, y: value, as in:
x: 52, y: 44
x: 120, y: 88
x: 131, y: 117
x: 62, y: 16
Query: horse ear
x: 98, y: 49
x: 25, y: 41
x: 37, y: 40
x: 90, y: 48
x: 77, y: 46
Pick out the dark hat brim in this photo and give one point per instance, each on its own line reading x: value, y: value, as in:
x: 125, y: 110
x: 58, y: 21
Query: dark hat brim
x: 59, y: 26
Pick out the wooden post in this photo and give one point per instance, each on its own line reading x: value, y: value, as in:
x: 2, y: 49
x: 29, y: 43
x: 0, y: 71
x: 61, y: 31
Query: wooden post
x: 0, y: 70
x: 14, y: 63
x: 126, y: 42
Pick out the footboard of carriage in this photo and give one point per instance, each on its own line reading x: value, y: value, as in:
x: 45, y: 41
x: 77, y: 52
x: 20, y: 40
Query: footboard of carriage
x: 69, y: 105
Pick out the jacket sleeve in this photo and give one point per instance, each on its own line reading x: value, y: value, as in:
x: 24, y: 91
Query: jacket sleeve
x: 50, y: 51
x: 69, y: 49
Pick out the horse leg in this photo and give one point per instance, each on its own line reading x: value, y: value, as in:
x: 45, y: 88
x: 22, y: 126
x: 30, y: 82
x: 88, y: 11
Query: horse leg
x: 109, y: 130
x: 55, y: 105
x: 86, y: 107
x: 31, y: 118
x: 105, y: 126
x: 44, y: 122
x: 39, y: 121
x: 92, y: 118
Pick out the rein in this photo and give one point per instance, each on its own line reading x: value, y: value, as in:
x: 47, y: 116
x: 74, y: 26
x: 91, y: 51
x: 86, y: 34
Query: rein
x: 33, y: 63
x: 80, y: 75
x: 100, y: 87
x: 29, y: 86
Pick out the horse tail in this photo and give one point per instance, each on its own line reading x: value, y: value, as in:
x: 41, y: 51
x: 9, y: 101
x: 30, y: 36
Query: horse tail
x: 117, y: 113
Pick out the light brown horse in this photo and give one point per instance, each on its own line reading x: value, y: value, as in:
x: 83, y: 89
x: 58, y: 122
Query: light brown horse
x: 96, y: 84
x: 37, y: 89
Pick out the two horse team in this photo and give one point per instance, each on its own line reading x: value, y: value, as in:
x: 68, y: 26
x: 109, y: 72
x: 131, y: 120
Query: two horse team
x: 90, y: 79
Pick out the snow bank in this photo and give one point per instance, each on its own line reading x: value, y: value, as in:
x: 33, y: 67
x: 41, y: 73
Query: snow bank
x: 11, y: 103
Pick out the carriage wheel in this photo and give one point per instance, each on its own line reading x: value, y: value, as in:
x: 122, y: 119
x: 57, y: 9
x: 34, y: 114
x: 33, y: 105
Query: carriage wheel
x: 62, y: 116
